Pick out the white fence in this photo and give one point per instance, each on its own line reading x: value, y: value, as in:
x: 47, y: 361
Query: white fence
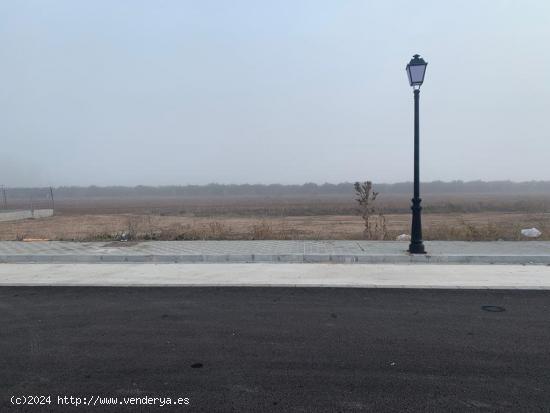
x: 25, y: 214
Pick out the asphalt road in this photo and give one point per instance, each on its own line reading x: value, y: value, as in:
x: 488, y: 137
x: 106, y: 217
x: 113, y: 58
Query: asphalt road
x: 277, y: 349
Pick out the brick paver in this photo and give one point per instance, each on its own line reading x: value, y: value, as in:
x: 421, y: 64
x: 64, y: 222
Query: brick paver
x: 275, y: 251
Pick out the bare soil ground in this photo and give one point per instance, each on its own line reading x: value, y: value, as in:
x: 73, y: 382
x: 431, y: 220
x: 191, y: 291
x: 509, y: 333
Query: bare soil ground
x: 290, y: 218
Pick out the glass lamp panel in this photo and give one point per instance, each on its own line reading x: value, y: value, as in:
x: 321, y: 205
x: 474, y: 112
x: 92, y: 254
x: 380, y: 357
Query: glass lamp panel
x: 416, y: 74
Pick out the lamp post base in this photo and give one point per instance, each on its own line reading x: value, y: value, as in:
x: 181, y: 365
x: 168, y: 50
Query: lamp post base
x: 417, y: 248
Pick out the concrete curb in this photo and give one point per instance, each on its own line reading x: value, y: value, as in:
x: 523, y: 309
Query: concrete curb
x: 277, y: 275
x: 275, y: 258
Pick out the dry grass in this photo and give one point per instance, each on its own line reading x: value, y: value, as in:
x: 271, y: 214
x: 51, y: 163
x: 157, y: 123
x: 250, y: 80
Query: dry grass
x: 451, y: 217
x: 452, y: 226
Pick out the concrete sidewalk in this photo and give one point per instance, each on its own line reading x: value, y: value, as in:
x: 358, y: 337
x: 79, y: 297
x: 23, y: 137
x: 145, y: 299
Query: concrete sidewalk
x: 281, y: 275
x: 368, y: 252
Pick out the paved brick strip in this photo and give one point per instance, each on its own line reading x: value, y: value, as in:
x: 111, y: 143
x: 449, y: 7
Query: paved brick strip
x: 373, y: 252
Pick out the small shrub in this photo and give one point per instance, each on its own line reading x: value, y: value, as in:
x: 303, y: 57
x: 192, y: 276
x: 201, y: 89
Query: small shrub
x: 375, y: 222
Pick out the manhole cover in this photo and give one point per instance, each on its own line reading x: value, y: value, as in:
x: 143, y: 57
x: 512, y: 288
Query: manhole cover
x: 493, y: 308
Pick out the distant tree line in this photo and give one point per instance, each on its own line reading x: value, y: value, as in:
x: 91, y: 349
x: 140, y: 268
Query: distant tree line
x: 278, y: 190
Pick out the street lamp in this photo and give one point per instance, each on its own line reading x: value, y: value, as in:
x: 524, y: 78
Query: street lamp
x: 416, y: 70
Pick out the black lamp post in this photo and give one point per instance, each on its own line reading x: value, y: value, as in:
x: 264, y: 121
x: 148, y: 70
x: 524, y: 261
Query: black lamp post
x: 416, y: 70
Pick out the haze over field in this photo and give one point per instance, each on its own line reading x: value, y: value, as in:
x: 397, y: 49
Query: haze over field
x: 185, y: 92
x: 343, y: 190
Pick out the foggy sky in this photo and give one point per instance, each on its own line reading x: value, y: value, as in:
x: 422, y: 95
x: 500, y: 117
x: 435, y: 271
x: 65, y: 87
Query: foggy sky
x: 288, y: 91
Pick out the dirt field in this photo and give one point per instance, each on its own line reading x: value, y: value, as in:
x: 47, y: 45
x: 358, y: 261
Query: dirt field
x: 322, y: 218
